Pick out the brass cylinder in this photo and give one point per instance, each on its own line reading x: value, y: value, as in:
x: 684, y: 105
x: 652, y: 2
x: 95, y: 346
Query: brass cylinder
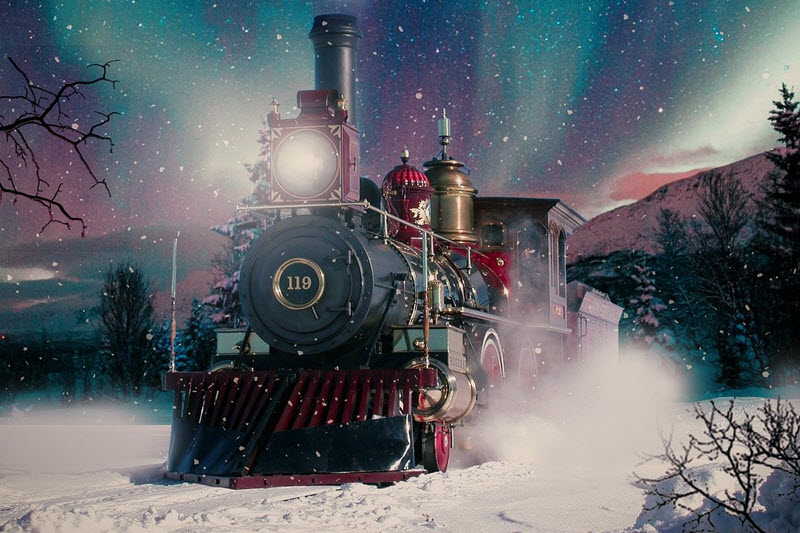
x: 452, y: 212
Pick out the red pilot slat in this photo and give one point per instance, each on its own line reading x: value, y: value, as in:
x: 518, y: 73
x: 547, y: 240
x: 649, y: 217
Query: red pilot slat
x: 291, y: 405
x: 230, y: 403
x: 251, y: 400
x: 332, y: 416
x: 363, y: 403
x: 264, y: 394
x: 307, y: 403
x: 242, y: 406
x: 378, y: 407
x: 221, y: 401
x: 393, y: 408
x: 350, y: 399
x: 322, y: 401
x: 406, y: 396
x: 208, y: 399
x: 197, y: 390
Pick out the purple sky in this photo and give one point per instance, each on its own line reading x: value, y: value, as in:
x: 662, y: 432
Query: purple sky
x: 597, y: 103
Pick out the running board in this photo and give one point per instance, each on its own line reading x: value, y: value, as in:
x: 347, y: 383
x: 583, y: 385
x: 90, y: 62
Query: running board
x: 295, y: 480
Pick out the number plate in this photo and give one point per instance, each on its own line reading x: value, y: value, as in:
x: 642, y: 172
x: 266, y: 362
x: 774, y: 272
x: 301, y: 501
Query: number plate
x: 298, y: 284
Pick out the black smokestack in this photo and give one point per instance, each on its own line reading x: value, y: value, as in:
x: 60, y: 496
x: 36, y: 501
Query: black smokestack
x: 335, y: 39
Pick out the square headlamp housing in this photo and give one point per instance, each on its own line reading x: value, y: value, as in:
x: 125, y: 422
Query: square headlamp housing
x: 314, y: 158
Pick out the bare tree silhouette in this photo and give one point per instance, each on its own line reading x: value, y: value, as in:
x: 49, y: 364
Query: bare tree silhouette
x: 37, y: 110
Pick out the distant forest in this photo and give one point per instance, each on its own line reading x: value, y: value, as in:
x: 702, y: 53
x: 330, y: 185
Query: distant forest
x: 721, y: 294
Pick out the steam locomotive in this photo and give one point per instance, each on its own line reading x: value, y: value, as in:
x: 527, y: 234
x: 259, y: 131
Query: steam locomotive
x: 379, y: 318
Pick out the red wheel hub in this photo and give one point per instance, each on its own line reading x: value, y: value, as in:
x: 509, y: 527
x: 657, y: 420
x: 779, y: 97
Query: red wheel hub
x: 443, y: 442
x: 436, y: 444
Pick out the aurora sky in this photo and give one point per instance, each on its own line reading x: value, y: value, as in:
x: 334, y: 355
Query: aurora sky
x: 595, y: 102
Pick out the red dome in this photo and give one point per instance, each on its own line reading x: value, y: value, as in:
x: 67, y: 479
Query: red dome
x: 405, y: 175
x: 407, y: 194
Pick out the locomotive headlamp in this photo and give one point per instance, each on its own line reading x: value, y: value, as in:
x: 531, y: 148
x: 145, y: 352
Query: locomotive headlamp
x: 314, y: 156
x: 306, y: 163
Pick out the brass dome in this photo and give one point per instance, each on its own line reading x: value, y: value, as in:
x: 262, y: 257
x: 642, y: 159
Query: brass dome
x: 452, y: 214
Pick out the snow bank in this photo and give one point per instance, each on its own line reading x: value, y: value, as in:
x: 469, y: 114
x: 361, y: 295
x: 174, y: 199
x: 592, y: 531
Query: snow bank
x: 779, y: 497
x: 668, y: 518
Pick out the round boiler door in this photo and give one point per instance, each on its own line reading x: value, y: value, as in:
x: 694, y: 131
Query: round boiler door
x: 306, y: 163
x: 298, y: 283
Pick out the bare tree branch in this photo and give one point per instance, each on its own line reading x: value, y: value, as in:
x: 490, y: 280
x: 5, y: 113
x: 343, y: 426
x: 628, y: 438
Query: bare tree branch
x: 41, y: 110
x: 746, y: 446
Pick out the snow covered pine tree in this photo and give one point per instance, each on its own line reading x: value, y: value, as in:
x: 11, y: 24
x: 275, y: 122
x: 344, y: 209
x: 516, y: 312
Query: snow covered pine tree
x: 780, y: 225
x: 242, y: 229
x: 647, y: 306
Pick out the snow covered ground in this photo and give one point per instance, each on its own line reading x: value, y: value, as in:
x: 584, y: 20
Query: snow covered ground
x: 109, y: 480
x: 564, y: 466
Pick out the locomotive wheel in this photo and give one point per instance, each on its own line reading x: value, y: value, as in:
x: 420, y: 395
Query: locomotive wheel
x: 436, y: 443
x: 528, y: 367
x: 491, y: 358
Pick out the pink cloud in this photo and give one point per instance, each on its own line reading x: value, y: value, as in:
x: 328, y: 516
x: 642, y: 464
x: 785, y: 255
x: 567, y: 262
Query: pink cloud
x: 637, y: 185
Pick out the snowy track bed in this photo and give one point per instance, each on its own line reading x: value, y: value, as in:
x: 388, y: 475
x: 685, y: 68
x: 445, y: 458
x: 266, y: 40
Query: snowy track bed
x: 558, y: 474
x: 86, y: 478
x: 498, y: 496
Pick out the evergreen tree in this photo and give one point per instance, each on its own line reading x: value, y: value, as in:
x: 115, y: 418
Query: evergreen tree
x: 647, y: 307
x: 198, y: 339
x: 780, y: 235
x: 242, y: 229
x: 125, y: 328
x: 782, y: 200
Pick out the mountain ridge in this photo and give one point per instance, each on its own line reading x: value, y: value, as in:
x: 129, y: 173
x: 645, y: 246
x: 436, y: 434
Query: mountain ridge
x: 634, y: 226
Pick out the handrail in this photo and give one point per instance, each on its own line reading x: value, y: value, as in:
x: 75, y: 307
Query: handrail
x: 366, y: 205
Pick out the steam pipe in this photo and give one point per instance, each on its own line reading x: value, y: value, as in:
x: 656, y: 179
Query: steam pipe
x: 335, y: 38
